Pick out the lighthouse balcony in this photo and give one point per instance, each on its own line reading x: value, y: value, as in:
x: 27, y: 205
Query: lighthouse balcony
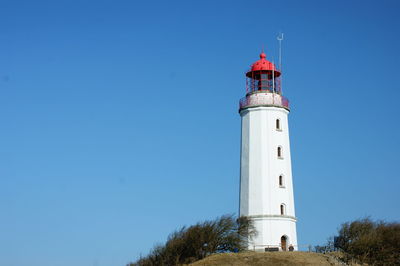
x: 256, y: 99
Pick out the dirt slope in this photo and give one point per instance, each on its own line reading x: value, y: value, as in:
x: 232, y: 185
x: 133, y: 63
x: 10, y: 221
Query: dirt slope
x: 266, y: 258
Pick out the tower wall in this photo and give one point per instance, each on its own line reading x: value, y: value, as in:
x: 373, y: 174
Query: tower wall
x: 260, y: 193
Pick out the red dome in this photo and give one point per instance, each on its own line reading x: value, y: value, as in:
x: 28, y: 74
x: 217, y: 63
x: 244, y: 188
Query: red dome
x: 263, y: 65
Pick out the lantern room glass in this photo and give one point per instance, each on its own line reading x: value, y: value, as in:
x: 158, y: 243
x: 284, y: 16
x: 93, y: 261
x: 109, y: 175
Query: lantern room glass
x: 263, y: 81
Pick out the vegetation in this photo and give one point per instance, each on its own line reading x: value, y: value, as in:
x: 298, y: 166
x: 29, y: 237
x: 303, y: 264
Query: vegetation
x: 224, y: 234
x: 328, y: 247
x: 267, y: 258
x: 367, y: 242
x: 362, y: 241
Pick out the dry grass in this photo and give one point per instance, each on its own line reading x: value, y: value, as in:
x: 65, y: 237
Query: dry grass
x: 266, y: 258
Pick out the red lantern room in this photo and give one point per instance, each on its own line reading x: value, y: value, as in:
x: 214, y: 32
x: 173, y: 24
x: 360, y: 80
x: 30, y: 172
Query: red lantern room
x: 263, y: 77
x: 263, y: 86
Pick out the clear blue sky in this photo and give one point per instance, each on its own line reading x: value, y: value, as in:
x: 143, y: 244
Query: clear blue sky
x: 119, y: 122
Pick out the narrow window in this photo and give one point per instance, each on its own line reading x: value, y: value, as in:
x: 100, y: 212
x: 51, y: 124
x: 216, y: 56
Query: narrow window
x: 278, y: 124
x: 282, y: 209
x: 280, y: 152
x: 281, y: 181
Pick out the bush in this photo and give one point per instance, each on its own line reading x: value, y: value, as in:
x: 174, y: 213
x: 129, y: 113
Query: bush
x: 329, y: 247
x: 224, y: 234
x: 373, y: 243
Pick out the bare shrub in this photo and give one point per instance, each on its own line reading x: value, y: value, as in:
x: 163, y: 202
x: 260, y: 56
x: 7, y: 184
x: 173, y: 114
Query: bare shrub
x: 224, y: 234
x: 370, y: 242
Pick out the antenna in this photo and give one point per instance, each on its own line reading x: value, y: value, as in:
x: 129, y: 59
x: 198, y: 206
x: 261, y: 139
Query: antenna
x: 280, y: 39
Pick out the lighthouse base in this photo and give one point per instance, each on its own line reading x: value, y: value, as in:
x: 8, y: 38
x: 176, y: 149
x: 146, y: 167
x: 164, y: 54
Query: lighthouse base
x: 275, y: 233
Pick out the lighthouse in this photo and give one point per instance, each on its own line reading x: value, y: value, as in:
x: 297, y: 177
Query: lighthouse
x: 266, y: 187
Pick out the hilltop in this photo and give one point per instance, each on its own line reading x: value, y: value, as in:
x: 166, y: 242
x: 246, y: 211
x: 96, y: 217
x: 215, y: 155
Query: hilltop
x: 267, y: 258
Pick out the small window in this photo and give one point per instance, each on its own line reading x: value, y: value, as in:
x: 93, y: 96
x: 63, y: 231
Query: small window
x: 278, y: 124
x: 283, y: 209
x: 280, y: 152
x: 281, y: 184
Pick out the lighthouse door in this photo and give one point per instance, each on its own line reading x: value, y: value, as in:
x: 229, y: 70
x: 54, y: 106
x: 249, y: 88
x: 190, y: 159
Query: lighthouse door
x: 283, y: 243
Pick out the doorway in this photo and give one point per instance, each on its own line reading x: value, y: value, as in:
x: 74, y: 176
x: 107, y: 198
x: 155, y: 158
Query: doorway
x: 284, y: 243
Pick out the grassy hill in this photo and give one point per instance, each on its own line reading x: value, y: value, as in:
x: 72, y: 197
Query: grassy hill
x: 267, y: 258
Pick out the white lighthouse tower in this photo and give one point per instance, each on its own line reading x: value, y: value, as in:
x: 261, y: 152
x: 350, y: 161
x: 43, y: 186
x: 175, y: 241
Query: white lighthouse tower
x: 266, y: 188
